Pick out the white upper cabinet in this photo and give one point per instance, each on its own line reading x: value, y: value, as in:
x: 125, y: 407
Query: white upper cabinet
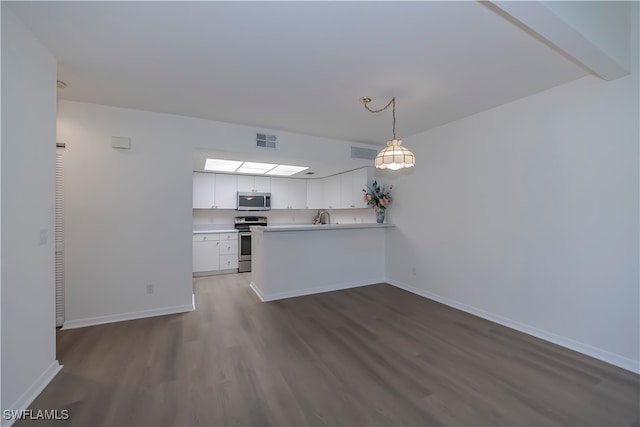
x: 254, y: 184
x: 359, y: 179
x: 342, y: 191
x: 288, y: 193
x: 204, y: 187
x: 346, y: 190
x: 331, y: 192
x: 226, y: 192
x: 279, y: 193
x: 214, y: 191
x: 297, y: 193
x: 315, y: 194
x: 350, y: 192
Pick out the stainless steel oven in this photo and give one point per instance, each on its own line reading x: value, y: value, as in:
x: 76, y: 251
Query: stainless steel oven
x: 243, y: 225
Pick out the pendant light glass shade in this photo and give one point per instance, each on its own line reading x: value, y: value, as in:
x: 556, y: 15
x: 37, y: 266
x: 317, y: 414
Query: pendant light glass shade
x: 394, y: 156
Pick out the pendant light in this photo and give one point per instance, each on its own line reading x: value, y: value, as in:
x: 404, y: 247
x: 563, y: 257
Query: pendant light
x: 394, y: 156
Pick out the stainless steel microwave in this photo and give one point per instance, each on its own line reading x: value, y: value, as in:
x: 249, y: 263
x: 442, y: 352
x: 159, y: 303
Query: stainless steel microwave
x: 254, y: 201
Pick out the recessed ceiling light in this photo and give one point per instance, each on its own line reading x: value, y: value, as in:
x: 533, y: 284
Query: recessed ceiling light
x: 218, y: 165
x: 286, y: 170
x: 252, y: 168
x: 255, y: 168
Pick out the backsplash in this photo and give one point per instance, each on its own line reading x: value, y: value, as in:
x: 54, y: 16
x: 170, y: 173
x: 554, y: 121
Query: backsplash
x: 285, y: 216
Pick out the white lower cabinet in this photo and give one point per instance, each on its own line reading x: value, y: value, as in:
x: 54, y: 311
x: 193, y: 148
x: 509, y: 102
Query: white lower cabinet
x: 215, y: 252
x: 206, y: 252
x: 229, y: 262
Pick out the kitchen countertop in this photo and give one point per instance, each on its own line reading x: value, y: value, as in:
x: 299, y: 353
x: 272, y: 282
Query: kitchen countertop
x: 319, y: 227
x: 213, y: 228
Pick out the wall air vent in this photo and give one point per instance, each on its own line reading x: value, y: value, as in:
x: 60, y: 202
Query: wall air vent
x: 266, y: 141
x: 363, y: 153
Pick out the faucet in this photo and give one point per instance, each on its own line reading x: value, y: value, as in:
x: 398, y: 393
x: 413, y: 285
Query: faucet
x: 328, y: 217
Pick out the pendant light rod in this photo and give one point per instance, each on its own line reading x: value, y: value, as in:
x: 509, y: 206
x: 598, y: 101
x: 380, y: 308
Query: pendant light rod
x: 365, y: 100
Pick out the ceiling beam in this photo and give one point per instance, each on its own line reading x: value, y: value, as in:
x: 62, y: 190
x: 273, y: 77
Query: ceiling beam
x: 542, y: 23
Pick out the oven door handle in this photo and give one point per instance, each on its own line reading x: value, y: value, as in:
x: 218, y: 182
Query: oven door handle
x: 245, y: 234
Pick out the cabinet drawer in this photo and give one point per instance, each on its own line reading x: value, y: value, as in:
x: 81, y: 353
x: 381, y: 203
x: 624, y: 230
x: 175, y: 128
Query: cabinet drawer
x: 228, y: 262
x: 206, y: 237
x: 227, y: 248
x: 229, y: 236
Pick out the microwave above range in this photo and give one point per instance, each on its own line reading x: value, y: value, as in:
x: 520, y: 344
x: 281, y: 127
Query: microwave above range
x: 254, y: 202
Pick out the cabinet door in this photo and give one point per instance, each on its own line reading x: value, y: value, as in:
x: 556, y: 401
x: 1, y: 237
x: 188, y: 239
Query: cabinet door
x: 297, y: 193
x: 254, y: 184
x: 315, y: 194
x: 279, y: 193
x: 332, y: 192
x: 346, y: 190
x: 229, y: 262
x: 206, y: 255
x: 360, y: 179
x: 262, y: 184
x: 245, y: 183
x: 204, y: 185
x: 226, y: 191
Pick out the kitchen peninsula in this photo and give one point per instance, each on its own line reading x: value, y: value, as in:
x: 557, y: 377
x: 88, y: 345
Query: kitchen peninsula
x: 295, y: 260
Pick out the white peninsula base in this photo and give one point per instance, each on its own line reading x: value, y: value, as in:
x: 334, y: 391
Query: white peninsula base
x: 290, y: 261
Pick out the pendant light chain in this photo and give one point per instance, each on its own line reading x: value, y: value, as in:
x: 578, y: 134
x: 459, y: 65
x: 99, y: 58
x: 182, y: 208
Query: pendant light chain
x: 393, y: 101
x: 394, y: 156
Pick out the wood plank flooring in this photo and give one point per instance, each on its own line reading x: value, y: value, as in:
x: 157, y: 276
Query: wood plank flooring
x: 371, y: 356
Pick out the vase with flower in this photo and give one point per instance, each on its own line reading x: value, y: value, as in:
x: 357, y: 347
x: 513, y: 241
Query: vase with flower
x: 379, y: 198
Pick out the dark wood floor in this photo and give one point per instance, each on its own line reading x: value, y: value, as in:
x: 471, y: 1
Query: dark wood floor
x: 375, y: 355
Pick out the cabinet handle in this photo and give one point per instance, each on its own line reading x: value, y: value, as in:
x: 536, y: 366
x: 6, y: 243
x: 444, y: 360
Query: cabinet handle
x: 204, y: 238
x: 217, y: 243
x: 353, y: 206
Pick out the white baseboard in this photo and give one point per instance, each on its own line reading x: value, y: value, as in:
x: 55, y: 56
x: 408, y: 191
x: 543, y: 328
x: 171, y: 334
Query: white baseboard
x: 597, y: 353
x: 99, y: 320
x: 311, y: 291
x: 33, y: 391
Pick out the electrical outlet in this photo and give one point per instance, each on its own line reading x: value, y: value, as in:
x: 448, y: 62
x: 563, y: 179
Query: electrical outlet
x: 413, y: 271
x: 149, y: 289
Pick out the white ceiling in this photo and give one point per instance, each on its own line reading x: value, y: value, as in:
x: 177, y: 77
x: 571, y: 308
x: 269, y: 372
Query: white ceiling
x: 296, y: 66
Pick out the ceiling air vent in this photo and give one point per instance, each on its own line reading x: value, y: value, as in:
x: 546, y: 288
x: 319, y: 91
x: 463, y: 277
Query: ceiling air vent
x: 266, y: 141
x: 363, y: 153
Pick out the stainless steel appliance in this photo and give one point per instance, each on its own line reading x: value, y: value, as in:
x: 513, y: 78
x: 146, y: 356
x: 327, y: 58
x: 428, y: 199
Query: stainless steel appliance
x: 243, y: 225
x: 254, y: 202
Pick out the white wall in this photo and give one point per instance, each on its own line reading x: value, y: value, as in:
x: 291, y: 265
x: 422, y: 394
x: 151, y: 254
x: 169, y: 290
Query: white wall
x: 129, y: 212
x: 284, y: 216
x: 28, y: 173
x: 528, y: 214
